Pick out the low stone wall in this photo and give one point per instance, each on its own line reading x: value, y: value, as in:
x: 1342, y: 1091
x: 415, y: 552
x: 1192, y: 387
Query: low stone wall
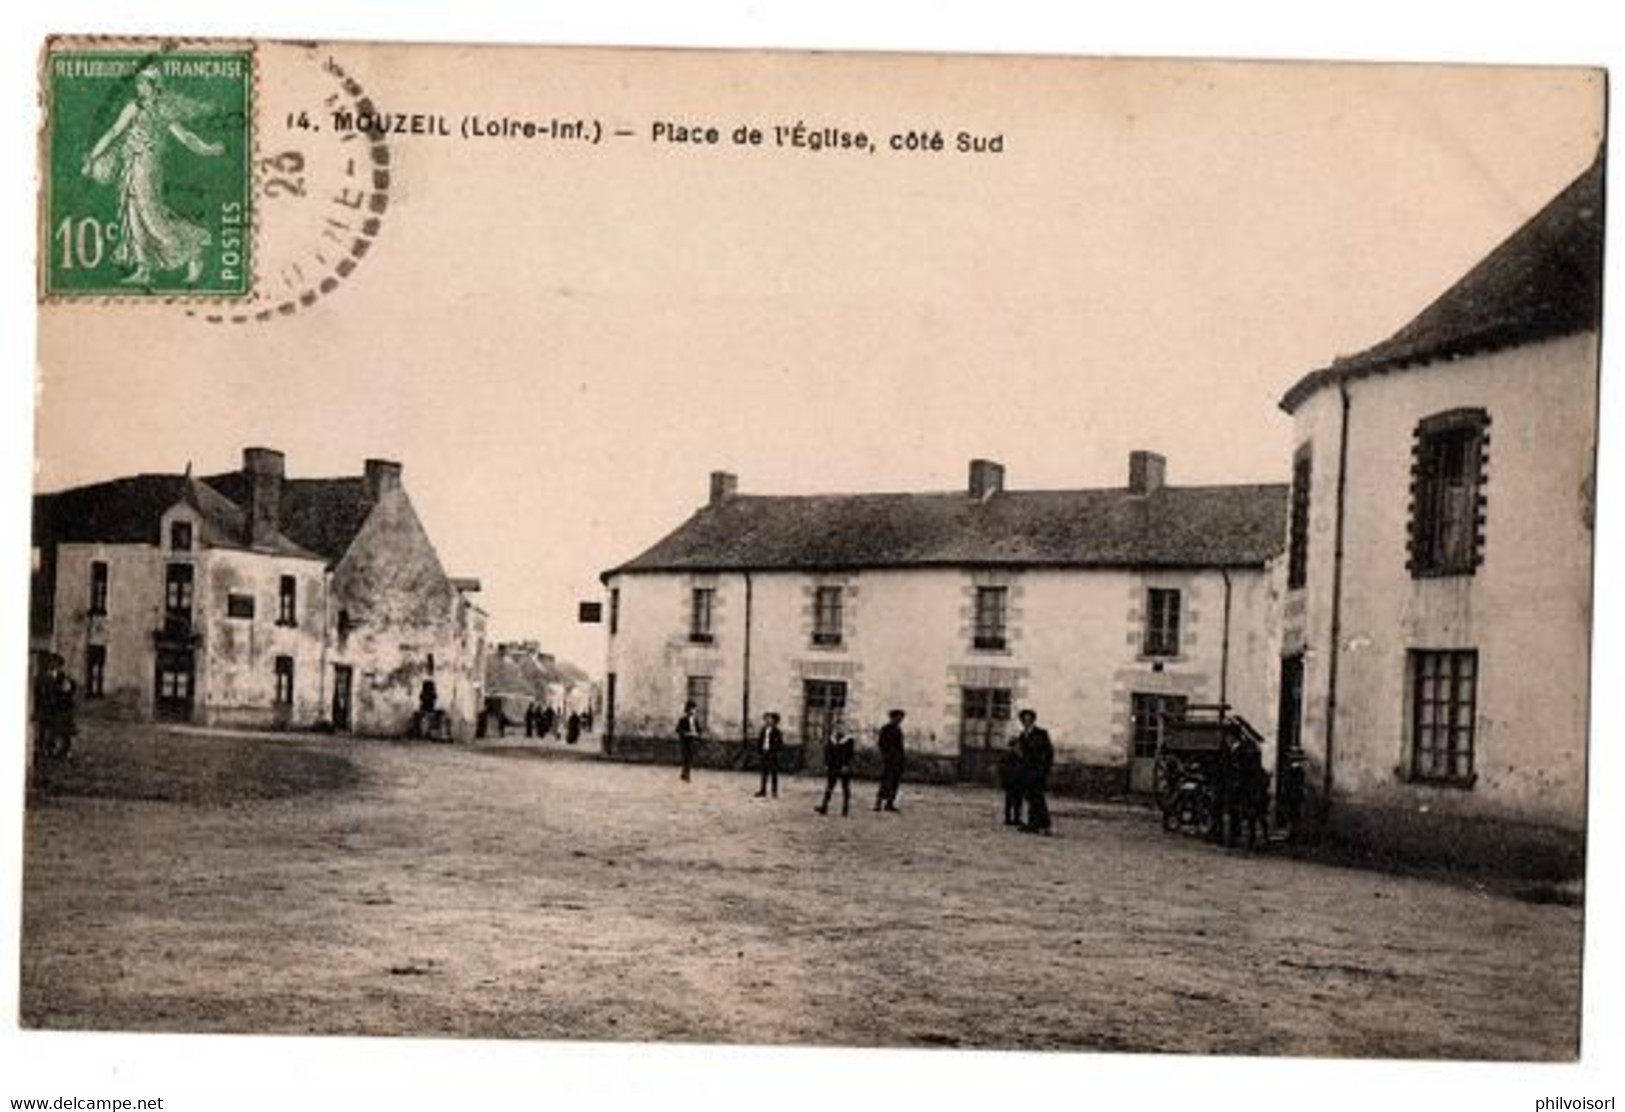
x: 1090, y: 781
x: 1496, y: 847
x: 245, y: 718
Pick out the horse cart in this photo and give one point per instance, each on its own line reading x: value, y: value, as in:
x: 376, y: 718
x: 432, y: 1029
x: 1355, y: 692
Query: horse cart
x: 1209, y: 768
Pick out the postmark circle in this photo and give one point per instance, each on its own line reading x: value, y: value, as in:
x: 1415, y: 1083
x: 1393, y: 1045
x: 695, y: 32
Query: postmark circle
x: 321, y: 195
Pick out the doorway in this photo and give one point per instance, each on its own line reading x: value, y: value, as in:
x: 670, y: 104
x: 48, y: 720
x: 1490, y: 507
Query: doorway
x: 984, y: 723
x: 1289, y: 740
x: 343, y: 681
x: 823, y: 704
x: 176, y: 685
x: 1151, y: 712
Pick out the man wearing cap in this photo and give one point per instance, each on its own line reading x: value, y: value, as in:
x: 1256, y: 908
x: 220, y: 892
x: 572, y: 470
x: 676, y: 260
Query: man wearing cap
x: 768, y: 744
x: 688, y: 732
x: 839, y: 749
x: 1038, y: 755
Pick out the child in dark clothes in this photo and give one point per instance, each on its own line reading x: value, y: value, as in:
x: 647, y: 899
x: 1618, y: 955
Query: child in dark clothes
x: 1013, y: 775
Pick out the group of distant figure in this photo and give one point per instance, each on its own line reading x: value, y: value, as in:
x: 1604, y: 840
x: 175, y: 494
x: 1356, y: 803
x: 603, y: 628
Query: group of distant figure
x: 540, y: 721
x: 1242, y: 793
x: 1024, y: 769
x: 1024, y: 772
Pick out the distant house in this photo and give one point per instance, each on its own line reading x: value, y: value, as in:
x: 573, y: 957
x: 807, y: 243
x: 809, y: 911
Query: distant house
x: 1438, y: 606
x: 252, y: 599
x: 1102, y: 609
x: 519, y: 674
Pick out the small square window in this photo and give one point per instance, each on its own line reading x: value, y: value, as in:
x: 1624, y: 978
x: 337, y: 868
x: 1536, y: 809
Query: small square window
x: 1297, y: 561
x: 1444, y: 710
x: 98, y: 586
x: 1447, y: 493
x: 178, y: 589
x: 702, y: 605
x: 287, y: 601
x: 1162, y: 622
x: 992, y: 618
x: 1150, y: 713
x: 827, y: 616
x: 239, y: 606
x: 984, y: 717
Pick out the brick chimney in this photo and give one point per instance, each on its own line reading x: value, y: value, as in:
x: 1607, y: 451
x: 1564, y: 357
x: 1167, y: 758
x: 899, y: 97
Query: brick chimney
x: 986, y: 479
x: 724, y: 485
x: 382, y: 476
x: 264, y: 469
x: 1146, y: 472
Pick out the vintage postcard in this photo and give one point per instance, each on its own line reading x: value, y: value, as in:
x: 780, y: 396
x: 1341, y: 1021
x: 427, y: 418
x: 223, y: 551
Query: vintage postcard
x: 1028, y: 553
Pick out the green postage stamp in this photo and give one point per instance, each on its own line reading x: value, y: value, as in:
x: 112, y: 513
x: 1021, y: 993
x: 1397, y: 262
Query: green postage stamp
x: 149, y: 187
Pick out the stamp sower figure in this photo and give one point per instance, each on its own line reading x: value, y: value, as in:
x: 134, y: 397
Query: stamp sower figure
x: 1013, y: 775
x: 688, y: 730
x: 768, y: 744
x: 1038, y: 755
x: 891, y: 762
x: 839, y: 749
x: 131, y: 152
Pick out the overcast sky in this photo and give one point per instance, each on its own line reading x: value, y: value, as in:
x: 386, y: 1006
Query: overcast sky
x: 559, y: 346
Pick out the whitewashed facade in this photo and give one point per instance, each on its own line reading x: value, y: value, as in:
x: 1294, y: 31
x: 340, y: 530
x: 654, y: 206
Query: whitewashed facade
x: 1440, y: 610
x: 1078, y: 642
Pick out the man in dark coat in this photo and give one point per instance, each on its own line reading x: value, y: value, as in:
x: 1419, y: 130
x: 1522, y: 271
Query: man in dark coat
x: 54, y: 708
x: 891, y: 762
x: 839, y: 749
x: 1249, y: 792
x: 768, y: 745
x: 688, y: 731
x: 1038, y: 756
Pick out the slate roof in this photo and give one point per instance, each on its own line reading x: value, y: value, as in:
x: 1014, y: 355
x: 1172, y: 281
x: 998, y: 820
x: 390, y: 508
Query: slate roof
x: 1196, y: 526
x: 515, y: 674
x: 322, y: 515
x: 128, y: 511
x: 120, y: 511
x: 319, y: 517
x: 1542, y: 282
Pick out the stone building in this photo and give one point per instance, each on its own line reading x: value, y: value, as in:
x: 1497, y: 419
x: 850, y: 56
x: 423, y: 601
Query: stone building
x: 1098, y: 608
x: 254, y: 599
x: 519, y: 674
x: 1438, y: 606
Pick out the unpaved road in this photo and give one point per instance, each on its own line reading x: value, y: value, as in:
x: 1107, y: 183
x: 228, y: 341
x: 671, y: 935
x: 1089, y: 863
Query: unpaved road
x: 441, y: 890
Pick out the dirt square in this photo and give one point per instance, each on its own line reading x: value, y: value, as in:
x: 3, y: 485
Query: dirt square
x: 199, y: 882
